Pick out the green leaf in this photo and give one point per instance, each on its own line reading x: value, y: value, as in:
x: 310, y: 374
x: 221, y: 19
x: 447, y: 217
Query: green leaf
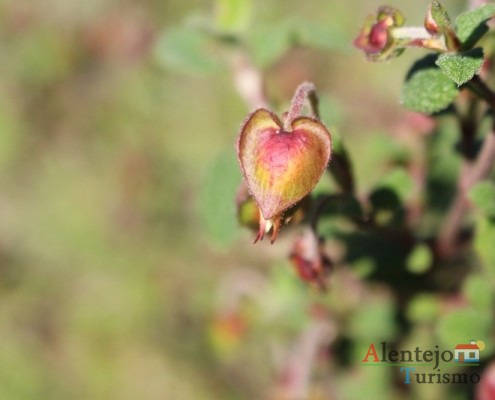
x: 319, y: 35
x: 483, y: 243
x: 217, y: 200
x: 423, y: 308
x: 374, y: 321
x: 461, y: 67
x: 428, y: 91
x: 463, y: 325
x: 420, y: 259
x: 471, y: 25
x: 233, y: 16
x: 440, y: 16
x: 483, y: 197
x: 479, y: 292
x: 268, y: 43
x: 186, y: 49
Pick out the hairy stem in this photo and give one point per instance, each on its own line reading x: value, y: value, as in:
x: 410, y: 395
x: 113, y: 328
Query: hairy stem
x: 305, y: 91
x: 411, y: 32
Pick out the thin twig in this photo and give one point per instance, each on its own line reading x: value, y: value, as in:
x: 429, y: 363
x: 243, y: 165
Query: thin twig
x: 295, y: 376
x: 480, y: 88
x: 472, y: 174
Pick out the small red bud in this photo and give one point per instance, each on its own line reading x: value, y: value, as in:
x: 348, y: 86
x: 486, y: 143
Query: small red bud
x: 376, y: 38
x: 307, y: 256
x: 430, y: 24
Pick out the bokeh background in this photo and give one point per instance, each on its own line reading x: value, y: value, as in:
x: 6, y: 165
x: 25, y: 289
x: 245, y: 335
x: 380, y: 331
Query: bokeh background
x: 123, y: 274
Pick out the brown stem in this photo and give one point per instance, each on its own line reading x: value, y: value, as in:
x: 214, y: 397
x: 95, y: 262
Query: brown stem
x: 470, y: 175
x: 469, y: 127
x: 296, y: 372
x: 472, y: 172
x: 481, y: 89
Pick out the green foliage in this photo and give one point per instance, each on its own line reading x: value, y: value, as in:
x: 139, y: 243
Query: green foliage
x: 318, y: 35
x: 483, y: 243
x: 398, y: 182
x: 233, y: 16
x: 185, y: 49
x: 483, y: 196
x: 367, y: 380
x: 440, y: 16
x: 373, y: 321
x: 44, y: 58
x: 471, y: 25
x: 428, y: 91
x: 216, y: 203
x: 268, y: 42
x: 423, y: 308
x: 462, y: 325
x: 479, y: 292
x: 461, y: 67
x: 420, y: 259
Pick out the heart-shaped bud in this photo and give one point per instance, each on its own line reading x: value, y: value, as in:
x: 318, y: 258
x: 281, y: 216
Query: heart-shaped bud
x: 281, y: 166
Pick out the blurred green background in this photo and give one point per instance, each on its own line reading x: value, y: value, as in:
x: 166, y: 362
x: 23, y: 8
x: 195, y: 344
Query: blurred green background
x: 120, y: 266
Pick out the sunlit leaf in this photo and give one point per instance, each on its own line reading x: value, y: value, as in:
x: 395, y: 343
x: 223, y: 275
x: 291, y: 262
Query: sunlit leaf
x: 461, y: 67
x: 420, y: 259
x: 463, y: 325
x: 268, y: 43
x: 373, y: 321
x: 233, y: 16
x: 398, y: 181
x: 479, y: 291
x: 471, y: 25
x: 483, y: 197
x: 483, y: 243
x: 428, y: 91
x: 423, y: 308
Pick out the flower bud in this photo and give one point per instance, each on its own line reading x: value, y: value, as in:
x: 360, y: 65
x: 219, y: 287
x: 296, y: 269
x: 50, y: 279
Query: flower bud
x: 430, y: 24
x: 281, y: 166
x: 437, y: 22
x: 248, y: 213
x: 376, y: 38
x: 307, y: 256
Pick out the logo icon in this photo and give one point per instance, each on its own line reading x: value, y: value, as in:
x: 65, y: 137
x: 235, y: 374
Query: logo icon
x: 468, y: 353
